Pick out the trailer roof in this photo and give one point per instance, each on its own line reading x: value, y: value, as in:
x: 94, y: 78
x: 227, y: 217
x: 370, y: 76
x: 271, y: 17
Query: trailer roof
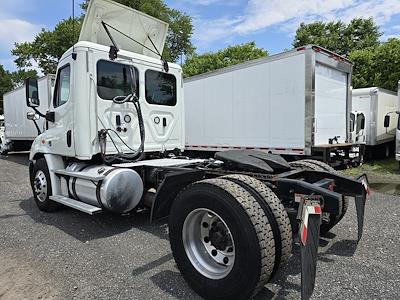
x: 23, y: 85
x: 371, y: 91
x: 262, y: 60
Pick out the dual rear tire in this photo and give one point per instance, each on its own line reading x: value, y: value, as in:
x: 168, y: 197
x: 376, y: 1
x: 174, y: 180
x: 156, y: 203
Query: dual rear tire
x: 228, y: 236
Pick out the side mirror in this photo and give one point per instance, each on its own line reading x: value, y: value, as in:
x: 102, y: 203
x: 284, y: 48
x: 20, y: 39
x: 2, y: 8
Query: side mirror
x: 386, y: 121
x: 32, y: 94
x: 32, y: 116
x: 351, y: 125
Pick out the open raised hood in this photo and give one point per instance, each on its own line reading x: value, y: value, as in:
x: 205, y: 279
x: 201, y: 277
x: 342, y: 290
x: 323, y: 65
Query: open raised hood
x: 131, y: 22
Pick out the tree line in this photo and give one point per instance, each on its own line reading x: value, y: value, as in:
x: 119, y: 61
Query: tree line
x: 376, y: 63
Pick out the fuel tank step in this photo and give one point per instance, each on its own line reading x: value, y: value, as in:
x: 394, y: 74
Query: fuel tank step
x: 84, y: 207
x: 64, y: 172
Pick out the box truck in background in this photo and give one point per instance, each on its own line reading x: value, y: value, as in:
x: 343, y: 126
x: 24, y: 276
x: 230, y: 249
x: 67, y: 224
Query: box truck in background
x: 20, y: 132
x: 296, y: 104
x: 371, y: 105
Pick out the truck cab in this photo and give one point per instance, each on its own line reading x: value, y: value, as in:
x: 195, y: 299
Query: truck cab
x: 83, y: 104
x: 90, y: 76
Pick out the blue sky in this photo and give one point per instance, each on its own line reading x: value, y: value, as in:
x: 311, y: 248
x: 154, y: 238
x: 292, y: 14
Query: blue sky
x: 218, y: 23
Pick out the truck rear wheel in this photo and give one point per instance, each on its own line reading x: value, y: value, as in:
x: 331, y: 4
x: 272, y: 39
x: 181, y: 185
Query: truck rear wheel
x: 315, y: 165
x: 276, y: 213
x: 221, y: 240
x: 41, y: 186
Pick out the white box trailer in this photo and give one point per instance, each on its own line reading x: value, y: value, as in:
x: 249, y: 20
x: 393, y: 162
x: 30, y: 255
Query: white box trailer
x: 20, y: 132
x: 374, y: 104
x: 294, y: 103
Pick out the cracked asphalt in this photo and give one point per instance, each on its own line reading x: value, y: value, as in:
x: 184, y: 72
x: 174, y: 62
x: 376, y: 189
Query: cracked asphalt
x: 71, y: 255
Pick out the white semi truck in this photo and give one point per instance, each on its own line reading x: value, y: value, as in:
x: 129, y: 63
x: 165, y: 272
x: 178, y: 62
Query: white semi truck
x: 114, y: 142
x: 295, y: 103
x: 370, y: 106
x: 20, y: 132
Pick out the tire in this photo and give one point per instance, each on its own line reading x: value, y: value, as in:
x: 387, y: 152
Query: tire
x: 305, y: 165
x: 41, y: 186
x: 315, y: 165
x: 324, y: 166
x: 253, y: 245
x: 276, y: 214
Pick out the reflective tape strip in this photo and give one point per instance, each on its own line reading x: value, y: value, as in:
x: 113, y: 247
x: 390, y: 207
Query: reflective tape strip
x: 307, y: 210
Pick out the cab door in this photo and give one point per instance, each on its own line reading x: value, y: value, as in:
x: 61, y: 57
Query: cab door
x: 59, y: 135
x: 163, y: 109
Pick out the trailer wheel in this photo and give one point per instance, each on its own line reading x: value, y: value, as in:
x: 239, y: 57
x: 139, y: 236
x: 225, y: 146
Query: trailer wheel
x: 315, y: 165
x: 41, y: 186
x: 324, y: 166
x: 276, y: 213
x: 221, y: 240
x: 305, y: 165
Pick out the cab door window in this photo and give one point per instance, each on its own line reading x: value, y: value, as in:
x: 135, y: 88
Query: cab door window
x: 62, y: 91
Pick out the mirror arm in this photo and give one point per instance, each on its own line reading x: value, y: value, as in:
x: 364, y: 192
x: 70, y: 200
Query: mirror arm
x: 38, y: 112
x: 37, y: 127
x: 49, y: 116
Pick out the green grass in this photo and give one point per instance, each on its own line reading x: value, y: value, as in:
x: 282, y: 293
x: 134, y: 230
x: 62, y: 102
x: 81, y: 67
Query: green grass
x: 378, y: 168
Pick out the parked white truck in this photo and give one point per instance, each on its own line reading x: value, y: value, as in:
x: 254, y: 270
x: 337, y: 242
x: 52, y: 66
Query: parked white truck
x: 115, y: 126
x: 370, y: 106
x: 296, y: 103
x: 19, y: 131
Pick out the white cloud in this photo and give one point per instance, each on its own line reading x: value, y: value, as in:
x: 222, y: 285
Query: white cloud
x: 16, y: 30
x: 286, y: 15
x: 213, y: 30
x: 262, y: 14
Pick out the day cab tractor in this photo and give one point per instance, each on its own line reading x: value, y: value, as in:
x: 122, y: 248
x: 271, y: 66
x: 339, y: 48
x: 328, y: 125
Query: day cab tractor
x: 114, y: 141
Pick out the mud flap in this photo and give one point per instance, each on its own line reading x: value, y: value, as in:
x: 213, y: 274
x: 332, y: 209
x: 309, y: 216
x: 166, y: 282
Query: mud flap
x: 309, y: 240
x: 360, y: 204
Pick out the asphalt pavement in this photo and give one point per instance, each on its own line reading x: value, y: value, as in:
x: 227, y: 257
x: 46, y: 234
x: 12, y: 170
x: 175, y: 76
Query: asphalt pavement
x: 71, y: 255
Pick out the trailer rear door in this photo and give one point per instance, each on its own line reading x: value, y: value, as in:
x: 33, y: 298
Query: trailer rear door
x: 330, y: 104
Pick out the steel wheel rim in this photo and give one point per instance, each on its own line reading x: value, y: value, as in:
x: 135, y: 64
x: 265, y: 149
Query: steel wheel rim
x: 40, y: 186
x: 208, y: 243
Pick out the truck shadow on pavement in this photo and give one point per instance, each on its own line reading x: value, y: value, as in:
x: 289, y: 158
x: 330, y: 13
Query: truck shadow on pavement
x: 283, y: 285
x: 21, y: 158
x: 85, y: 227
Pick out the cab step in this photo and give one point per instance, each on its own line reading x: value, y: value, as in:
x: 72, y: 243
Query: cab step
x: 64, y: 172
x: 84, y: 207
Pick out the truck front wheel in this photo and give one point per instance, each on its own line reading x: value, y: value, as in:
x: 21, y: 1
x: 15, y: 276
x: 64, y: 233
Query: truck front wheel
x: 221, y: 240
x: 41, y: 186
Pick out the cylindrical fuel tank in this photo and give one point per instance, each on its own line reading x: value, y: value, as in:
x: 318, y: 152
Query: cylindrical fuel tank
x: 120, y: 191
